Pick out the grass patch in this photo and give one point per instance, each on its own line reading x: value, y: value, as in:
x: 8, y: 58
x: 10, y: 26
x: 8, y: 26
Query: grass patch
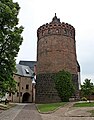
x: 84, y: 104
x: 49, y: 107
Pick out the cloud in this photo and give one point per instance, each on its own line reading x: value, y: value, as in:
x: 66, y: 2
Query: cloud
x: 78, y: 13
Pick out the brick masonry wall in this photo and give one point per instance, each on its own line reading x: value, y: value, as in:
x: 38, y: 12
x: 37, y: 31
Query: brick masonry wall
x: 56, y: 50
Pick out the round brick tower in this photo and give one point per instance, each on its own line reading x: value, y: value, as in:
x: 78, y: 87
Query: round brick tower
x: 56, y: 51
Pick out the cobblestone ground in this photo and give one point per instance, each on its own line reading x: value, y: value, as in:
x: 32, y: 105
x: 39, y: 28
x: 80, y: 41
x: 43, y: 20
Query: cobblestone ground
x: 21, y: 112
x: 10, y: 114
x: 29, y: 112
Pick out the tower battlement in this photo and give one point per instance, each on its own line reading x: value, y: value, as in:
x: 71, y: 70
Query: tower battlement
x: 56, y: 27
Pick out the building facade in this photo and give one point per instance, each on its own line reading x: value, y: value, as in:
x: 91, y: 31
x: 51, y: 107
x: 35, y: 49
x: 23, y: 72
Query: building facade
x: 25, y: 90
x: 56, y: 51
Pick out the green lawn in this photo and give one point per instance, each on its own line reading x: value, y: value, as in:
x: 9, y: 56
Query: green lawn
x: 84, y: 104
x: 49, y: 107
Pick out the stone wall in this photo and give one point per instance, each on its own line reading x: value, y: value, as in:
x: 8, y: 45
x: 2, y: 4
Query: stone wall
x: 45, y: 89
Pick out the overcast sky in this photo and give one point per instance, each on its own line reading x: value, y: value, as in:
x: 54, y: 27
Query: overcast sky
x: 79, y: 13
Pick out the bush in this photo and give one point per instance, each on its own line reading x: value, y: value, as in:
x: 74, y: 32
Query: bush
x: 64, y: 85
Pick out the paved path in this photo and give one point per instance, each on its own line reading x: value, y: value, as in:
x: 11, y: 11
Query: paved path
x: 69, y: 113
x: 29, y: 112
x: 21, y: 112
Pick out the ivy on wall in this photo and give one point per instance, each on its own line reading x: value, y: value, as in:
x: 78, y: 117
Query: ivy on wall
x: 64, y: 85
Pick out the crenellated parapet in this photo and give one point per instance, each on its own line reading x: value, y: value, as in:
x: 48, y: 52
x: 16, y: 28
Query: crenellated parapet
x: 56, y: 27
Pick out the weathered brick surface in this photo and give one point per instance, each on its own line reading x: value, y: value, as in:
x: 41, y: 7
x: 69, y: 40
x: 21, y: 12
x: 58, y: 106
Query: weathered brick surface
x: 55, y: 51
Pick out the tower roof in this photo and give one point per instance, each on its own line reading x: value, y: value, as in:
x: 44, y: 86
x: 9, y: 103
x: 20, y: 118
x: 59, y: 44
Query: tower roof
x: 28, y: 63
x: 55, y: 19
x: 56, y: 27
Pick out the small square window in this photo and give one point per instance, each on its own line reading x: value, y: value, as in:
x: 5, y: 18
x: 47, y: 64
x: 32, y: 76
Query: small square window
x: 17, y: 94
x: 27, y: 86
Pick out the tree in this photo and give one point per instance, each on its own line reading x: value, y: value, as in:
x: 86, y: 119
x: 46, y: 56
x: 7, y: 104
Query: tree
x: 87, y: 88
x: 12, y: 87
x: 64, y: 85
x: 10, y: 40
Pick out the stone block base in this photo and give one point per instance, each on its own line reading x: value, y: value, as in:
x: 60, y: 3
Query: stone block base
x: 45, y: 89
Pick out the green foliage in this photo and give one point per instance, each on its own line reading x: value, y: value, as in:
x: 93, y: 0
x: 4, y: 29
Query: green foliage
x: 10, y: 40
x: 64, y: 85
x: 87, y: 88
